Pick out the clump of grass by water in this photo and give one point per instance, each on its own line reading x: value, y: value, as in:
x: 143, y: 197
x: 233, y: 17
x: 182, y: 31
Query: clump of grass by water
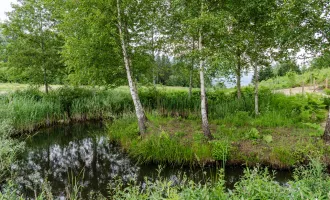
x: 9, y: 149
x: 158, y: 147
x: 30, y: 109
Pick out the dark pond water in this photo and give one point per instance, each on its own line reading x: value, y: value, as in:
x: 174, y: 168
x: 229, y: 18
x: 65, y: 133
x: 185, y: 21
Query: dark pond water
x: 83, y: 151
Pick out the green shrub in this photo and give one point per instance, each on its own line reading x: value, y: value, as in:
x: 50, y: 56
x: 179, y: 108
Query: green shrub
x: 252, y: 134
x: 258, y: 184
x: 220, y: 150
x: 267, y: 138
x: 287, y: 156
x: 327, y: 91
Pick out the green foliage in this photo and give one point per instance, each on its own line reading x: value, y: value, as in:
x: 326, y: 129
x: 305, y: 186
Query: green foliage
x: 9, y: 147
x: 253, y: 134
x: 285, y: 67
x: 29, y: 109
x: 258, y: 184
x: 159, y: 147
x: 305, y: 79
x: 33, y: 43
x: 319, y: 131
x: 321, y: 61
x: 287, y: 156
x: 266, y: 73
x: 310, y: 182
x: 267, y: 138
x: 10, y: 192
x: 292, y: 78
x: 327, y: 91
x: 220, y: 149
x: 167, y: 189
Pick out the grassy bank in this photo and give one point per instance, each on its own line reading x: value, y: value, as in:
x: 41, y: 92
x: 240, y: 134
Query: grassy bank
x: 28, y: 110
x: 284, y: 135
x: 181, y: 141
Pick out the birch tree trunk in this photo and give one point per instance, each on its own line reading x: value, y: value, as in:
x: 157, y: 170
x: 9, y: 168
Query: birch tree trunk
x: 205, y: 122
x: 256, y: 90
x: 326, y: 136
x: 133, y: 90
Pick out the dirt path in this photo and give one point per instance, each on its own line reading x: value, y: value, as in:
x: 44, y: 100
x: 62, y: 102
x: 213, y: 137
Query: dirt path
x: 299, y: 90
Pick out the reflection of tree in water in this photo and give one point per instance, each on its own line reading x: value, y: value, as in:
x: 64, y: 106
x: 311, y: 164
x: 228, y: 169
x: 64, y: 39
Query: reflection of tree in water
x: 83, y: 151
x: 60, y: 153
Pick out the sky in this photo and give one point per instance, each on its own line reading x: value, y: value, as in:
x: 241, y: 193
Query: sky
x: 5, y: 7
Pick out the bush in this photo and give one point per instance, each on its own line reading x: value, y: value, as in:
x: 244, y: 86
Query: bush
x: 220, y: 150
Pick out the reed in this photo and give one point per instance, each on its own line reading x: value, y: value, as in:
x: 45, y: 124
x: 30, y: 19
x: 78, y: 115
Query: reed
x: 31, y: 109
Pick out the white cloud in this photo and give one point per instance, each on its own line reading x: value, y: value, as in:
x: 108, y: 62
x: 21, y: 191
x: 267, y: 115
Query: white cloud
x: 5, y: 7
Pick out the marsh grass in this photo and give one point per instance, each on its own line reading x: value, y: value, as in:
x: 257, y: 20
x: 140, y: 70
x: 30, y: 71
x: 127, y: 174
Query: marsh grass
x: 30, y: 109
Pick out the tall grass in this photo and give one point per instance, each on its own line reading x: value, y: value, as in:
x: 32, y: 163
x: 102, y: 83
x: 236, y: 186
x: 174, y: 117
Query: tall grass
x: 158, y: 147
x: 30, y: 109
x: 9, y: 149
x: 27, y: 110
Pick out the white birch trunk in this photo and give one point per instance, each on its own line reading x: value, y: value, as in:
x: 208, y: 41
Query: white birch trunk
x: 205, y: 122
x: 137, y: 104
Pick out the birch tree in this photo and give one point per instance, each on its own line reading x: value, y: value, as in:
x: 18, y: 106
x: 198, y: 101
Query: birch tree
x: 122, y: 29
x: 205, y: 122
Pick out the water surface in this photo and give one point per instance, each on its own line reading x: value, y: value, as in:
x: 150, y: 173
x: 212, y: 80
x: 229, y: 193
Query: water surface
x: 82, y: 154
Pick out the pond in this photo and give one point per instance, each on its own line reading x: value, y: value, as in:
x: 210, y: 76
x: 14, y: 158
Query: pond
x: 83, y: 154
